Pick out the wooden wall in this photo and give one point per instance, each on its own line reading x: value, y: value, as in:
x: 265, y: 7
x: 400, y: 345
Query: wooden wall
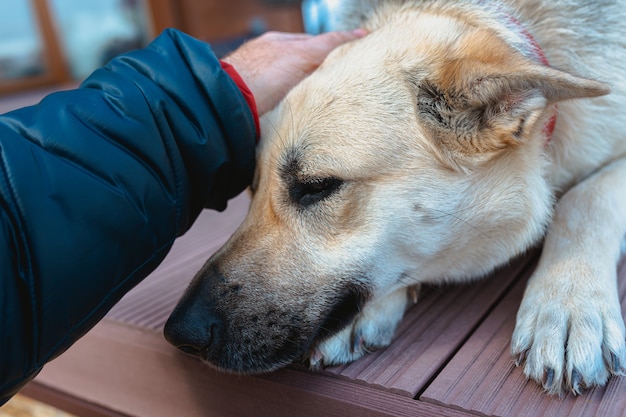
x: 220, y: 19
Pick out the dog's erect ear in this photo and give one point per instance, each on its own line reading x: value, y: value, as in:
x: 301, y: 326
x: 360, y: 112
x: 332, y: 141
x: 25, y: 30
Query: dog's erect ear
x: 470, y: 113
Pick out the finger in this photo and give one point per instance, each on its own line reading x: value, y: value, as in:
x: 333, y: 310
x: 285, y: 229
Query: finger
x: 286, y: 36
x: 334, y: 39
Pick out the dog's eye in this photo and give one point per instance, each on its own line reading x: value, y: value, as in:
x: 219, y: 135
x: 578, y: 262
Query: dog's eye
x: 314, y: 191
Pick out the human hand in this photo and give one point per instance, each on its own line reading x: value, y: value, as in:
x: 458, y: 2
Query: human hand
x: 275, y: 62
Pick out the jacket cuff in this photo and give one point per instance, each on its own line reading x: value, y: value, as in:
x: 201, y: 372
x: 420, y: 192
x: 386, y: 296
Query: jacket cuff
x: 247, y: 94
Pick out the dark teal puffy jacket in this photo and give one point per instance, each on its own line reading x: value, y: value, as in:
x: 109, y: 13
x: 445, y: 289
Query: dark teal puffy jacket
x: 97, y: 182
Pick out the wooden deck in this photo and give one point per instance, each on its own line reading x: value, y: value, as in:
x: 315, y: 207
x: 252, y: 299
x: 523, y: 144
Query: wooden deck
x: 450, y: 358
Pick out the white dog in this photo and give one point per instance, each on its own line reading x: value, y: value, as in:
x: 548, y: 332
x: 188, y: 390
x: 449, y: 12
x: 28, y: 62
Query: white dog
x: 452, y: 138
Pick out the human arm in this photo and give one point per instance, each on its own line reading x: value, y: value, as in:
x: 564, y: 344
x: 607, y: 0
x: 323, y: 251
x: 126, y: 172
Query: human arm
x: 96, y: 183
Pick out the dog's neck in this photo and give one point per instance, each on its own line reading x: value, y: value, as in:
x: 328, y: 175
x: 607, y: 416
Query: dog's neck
x: 531, y: 48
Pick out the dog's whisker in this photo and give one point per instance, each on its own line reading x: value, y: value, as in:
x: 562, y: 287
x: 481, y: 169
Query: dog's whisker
x: 456, y: 217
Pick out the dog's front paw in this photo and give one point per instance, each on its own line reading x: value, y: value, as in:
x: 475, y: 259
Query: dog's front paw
x: 569, y: 337
x: 372, y: 329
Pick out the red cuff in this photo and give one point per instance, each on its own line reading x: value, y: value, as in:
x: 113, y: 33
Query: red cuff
x: 247, y: 94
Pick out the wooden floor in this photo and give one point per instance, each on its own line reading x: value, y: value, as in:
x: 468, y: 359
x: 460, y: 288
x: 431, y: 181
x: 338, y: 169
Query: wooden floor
x: 450, y: 358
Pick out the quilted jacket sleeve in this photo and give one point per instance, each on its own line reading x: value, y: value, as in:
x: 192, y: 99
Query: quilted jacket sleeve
x: 97, y: 182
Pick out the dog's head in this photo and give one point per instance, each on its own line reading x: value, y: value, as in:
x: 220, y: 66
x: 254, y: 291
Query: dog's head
x: 411, y: 155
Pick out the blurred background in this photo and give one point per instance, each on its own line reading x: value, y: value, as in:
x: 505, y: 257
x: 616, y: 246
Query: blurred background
x: 51, y: 43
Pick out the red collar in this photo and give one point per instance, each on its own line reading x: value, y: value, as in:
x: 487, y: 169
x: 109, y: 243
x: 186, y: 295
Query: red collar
x: 548, y: 129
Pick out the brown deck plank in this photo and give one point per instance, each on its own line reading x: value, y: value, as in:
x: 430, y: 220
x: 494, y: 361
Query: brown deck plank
x: 483, y: 379
x: 133, y: 372
x: 430, y: 333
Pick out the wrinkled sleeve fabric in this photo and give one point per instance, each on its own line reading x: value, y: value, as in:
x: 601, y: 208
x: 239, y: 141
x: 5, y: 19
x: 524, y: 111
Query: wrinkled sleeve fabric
x: 97, y: 182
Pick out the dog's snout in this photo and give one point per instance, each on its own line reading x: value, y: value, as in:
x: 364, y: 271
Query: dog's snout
x: 194, y: 327
x: 193, y: 334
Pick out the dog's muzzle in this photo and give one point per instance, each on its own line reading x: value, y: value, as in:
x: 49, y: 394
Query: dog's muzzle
x: 252, y: 328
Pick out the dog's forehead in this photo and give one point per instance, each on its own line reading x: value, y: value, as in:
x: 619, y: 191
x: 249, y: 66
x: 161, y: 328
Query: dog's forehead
x: 338, y: 133
x: 362, y: 149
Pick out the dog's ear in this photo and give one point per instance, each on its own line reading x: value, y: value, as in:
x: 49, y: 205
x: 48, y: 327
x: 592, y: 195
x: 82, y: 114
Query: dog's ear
x: 470, y: 112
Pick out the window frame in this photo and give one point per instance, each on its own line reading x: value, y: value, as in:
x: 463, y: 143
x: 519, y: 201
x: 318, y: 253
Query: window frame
x: 55, y: 67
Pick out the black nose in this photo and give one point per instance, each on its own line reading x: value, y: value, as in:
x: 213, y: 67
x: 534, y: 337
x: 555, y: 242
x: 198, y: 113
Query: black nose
x: 194, y: 327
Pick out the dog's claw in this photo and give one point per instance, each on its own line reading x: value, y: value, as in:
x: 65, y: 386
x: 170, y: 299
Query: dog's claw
x: 576, y: 384
x: 521, y: 358
x: 548, y: 379
x: 357, y: 342
x: 414, y: 292
x: 316, y: 359
x: 616, y: 366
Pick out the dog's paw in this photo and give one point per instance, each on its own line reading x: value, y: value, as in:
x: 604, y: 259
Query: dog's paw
x: 569, y: 337
x: 372, y: 329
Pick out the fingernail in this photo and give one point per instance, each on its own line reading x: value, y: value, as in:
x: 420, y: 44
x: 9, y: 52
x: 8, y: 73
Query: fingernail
x: 360, y: 32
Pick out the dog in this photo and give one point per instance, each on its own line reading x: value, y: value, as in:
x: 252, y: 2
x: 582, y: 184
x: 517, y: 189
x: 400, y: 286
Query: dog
x: 452, y: 138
